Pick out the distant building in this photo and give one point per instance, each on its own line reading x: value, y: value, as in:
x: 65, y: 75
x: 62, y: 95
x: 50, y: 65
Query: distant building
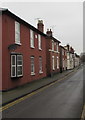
x: 53, y: 54
x: 70, y: 57
x: 77, y: 60
x: 63, y: 59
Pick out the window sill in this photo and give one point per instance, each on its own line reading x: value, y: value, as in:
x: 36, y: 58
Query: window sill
x: 40, y: 72
x: 32, y: 47
x: 40, y: 49
x: 16, y: 77
x: 18, y: 43
x: 57, y: 51
x: 32, y: 73
x: 50, y: 50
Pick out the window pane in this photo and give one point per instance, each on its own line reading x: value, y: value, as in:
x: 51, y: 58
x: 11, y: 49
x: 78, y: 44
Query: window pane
x: 53, y: 62
x: 17, y: 32
x: 13, y: 71
x: 57, y: 62
x: 39, y: 41
x: 19, y: 57
x: 57, y: 47
x: 17, y: 26
x: 19, y: 70
x: 19, y: 65
x: 40, y: 64
x: 13, y: 65
x: 13, y: 60
x: 17, y: 38
x: 32, y: 64
x: 19, y: 62
x: 31, y: 38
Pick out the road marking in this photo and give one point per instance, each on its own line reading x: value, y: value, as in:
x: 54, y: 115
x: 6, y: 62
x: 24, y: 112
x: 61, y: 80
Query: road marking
x: 31, y: 94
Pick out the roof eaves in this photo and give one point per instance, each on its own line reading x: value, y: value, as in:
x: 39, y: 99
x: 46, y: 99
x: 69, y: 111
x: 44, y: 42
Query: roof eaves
x: 22, y: 21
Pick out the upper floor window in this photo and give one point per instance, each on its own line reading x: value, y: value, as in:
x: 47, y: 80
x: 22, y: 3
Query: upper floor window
x: 31, y: 39
x: 62, y: 51
x: 16, y: 65
x: 57, y: 47
x: 17, y: 32
x: 39, y: 42
x: 52, y: 45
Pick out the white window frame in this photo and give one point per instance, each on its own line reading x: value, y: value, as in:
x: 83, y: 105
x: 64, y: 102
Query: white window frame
x: 52, y: 45
x: 31, y: 38
x: 13, y: 66
x: 57, y: 47
x: 62, y: 51
x: 16, y: 66
x: 17, y: 32
x: 40, y: 65
x: 32, y: 72
x: 19, y: 65
x: 53, y: 63
x: 63, y: 62
x: 39, y: 42
x: 57, y: 62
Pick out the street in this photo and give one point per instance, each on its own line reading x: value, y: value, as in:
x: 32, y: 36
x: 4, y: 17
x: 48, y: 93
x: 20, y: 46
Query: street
x: 61, y: 100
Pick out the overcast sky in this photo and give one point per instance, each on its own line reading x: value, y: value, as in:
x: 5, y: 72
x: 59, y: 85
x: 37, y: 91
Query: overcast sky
x: 65, y: 19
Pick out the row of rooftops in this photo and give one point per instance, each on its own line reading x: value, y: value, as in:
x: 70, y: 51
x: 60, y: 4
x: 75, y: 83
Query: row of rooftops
x: 40, y: 22
x: 6, y: 11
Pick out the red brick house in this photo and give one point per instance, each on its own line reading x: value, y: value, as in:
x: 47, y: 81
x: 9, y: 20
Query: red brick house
x: 63, y: 58
x: 28, y: 53
x: 23, y: 51
x: 53, y: 55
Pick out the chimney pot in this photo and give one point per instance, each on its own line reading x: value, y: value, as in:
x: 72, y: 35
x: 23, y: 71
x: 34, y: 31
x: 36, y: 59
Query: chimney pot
x: 49, y: 32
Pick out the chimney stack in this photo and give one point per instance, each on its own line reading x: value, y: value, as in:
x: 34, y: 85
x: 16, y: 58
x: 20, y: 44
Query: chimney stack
x: 49, y: 32
x: 40, y: 26
x: 68, y: 47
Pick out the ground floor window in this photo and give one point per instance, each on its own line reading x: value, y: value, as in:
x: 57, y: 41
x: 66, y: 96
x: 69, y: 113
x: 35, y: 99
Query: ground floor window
x: 32, y: 66
x: 40, y: 65
x: 53, y: 63
x: 63, y: 62
x: 57, y: 62
x: 16, y: 65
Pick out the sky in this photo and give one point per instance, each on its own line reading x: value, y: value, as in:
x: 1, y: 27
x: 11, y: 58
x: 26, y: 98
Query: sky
x: 64, y: 18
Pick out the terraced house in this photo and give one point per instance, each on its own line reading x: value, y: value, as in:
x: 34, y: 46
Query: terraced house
x: 63, y: 58
x: 28, y: 54
x: 26, y: 51
x: 53, y: 54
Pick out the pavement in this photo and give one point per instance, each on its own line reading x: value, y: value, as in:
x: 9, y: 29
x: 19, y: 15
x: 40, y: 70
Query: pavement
x: 61, y: 99
x: 10, y: 96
